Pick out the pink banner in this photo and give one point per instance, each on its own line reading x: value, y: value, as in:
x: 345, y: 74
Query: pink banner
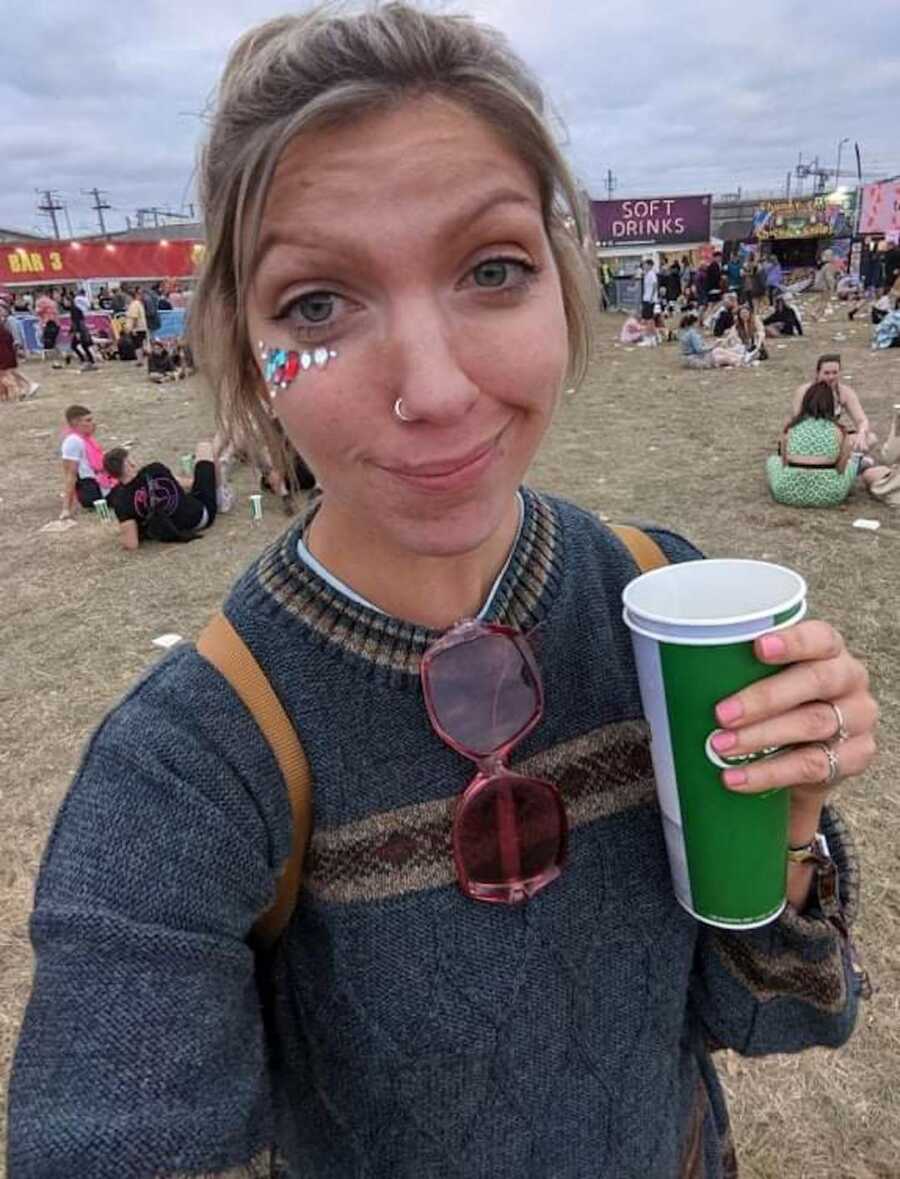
x: 880, y: 208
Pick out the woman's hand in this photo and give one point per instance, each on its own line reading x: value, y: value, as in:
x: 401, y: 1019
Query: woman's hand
x: 799, y: 707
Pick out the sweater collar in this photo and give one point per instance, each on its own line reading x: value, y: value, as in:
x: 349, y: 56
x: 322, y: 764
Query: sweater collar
x: 522, y: 600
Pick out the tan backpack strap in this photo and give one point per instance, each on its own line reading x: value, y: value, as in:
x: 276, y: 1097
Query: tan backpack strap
x: 221, y: 645
x: 646, y: 552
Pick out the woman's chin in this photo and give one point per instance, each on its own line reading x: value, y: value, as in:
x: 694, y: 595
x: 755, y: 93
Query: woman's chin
x: 454, y: 534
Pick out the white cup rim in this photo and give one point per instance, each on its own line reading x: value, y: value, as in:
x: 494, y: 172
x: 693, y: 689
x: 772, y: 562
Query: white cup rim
x: 639, y: 614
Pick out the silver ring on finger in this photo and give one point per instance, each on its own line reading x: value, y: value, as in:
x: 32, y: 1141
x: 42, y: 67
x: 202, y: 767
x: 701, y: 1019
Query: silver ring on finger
x: 841, y: 734
x: 834, y: 767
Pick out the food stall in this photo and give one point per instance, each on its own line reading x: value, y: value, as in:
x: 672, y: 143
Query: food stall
x: 629, y: 230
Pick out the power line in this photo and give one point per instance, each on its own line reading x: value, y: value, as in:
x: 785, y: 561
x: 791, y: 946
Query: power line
x: 155, y: 212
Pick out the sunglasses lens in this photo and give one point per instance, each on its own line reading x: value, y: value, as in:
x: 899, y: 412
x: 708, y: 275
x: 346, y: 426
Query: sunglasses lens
x: 483, y: 693
x: 510, y: 831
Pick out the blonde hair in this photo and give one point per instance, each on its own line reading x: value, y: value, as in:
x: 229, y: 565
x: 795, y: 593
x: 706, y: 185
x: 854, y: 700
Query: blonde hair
x: 324, y: 67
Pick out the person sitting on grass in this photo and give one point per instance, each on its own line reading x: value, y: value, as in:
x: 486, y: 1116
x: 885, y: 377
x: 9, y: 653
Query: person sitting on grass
x: 846, y: 406
x: 84, y: 479
x: 695, y: 353
x: 182, y: 358
x: 817, y: 465
x: 150, y: 502
x: 747, y: 335
x: 160, y: 365
x: 126, y: 348
x: 726, y: 314
x: 783, y: 321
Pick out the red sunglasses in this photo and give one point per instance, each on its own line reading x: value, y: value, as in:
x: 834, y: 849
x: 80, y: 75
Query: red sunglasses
x: 484, y: 695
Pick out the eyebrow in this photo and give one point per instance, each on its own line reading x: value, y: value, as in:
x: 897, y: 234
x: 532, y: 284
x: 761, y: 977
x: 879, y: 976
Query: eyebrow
x: 502, y: 196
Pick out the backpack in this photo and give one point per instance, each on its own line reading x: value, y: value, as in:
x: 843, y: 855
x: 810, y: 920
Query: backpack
x: 221, y: 645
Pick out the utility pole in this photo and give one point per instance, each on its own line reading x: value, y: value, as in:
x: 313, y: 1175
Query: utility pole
x: 787, y: 187
x: 611, y: 183
x: 51, y: 206
x: 99, y: 206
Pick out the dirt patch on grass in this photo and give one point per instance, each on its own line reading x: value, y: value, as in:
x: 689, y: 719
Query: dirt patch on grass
x: 643, y: 439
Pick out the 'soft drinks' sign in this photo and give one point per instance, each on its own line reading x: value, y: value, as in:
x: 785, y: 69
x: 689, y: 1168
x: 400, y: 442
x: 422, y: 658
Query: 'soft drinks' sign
x: 652, y: 220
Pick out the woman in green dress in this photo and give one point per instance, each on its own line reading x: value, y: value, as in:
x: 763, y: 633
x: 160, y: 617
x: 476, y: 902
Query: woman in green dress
x: 817, y: 465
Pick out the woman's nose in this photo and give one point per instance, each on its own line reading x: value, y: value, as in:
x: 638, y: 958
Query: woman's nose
x: 428, y: 369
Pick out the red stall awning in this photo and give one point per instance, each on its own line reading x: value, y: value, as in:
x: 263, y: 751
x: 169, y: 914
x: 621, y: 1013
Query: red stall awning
x: 29, y: 264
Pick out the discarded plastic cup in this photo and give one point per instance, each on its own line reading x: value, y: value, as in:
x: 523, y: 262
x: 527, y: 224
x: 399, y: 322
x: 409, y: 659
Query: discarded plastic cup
x: 187, y: 464
x: 101, y: 507
x: 256, y: 514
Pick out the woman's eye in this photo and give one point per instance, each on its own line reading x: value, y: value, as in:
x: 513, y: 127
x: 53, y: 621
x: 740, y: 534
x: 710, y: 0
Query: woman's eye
x: 506, y: 274
x: 314, y: 307
x: 491, y: 274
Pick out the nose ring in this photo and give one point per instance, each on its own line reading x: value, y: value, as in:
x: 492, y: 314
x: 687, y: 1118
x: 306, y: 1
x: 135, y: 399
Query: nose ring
x: 398, y: 410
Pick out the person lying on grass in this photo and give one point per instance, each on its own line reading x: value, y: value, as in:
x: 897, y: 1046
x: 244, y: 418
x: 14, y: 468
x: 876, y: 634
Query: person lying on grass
x: 150, y: 502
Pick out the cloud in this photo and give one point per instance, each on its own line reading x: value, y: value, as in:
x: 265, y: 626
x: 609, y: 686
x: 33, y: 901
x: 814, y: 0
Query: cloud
x: 685, y: 97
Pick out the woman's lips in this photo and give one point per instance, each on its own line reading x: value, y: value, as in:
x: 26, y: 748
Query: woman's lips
x: 449, y: 474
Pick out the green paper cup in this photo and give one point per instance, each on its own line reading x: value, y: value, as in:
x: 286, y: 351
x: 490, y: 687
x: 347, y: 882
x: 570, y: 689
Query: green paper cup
x: 692, y: 627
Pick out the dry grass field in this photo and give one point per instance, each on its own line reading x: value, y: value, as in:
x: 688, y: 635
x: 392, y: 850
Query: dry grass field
x: 643, y: 439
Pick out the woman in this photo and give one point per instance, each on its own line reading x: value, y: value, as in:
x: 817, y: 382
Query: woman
x: 13, y: 385
x: 783, y: 320
x: 817, y: 465
x: 695, y: 353
x: 747, y: 336
x: 136, y: 322
x: 402, y: 1027
x: 79, y: 333
x: 847, y: 408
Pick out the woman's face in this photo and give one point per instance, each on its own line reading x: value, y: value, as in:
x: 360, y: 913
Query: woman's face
x: 744, y: 313
x: 829, y: 372
x: 412, y: 244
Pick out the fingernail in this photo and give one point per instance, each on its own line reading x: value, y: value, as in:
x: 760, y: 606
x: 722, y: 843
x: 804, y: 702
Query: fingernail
x: 734, y: 778
x: 723, y: 740
x: 729, y: 710
x: 772, y: 646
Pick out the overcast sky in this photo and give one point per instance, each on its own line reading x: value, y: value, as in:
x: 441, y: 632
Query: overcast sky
x: 674, y: 97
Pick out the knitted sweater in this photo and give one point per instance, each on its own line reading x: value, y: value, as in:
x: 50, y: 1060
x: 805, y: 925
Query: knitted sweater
x: 398, y: 1030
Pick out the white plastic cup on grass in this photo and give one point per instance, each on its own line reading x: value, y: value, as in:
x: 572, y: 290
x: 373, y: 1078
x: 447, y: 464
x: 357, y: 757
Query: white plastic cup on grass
x: 692, y: 627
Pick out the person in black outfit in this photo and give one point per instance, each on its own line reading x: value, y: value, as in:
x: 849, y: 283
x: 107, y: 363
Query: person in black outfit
x: 714, y: 279
x: 125, y: 346
x: 784, y: 320
x: 674, y: 283
x: 711, y: 291
x: 726, y: 317
x: 150, y: 299
x: 80, y: 336
x: 160, y: 365
x: 150, y: 502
